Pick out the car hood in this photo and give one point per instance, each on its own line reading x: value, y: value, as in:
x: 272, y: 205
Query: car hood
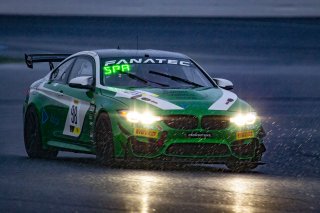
x: 179, y: 100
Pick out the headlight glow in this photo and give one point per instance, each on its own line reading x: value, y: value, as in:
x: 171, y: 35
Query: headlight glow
x: 136, y: 117
x: 244, y: 119
x: 133, y: 117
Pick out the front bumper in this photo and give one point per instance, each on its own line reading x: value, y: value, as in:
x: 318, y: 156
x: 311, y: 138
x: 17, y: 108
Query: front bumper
x: 172, y: 144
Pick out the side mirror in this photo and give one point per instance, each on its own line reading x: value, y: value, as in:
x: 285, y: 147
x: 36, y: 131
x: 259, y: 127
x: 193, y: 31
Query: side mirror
x: 224, y: 83
x: 82, y: 82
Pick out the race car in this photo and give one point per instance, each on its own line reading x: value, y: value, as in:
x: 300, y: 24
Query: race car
x: 139, y: 106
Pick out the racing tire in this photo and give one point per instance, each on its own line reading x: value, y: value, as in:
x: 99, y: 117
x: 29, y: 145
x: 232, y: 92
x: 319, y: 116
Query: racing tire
x: 104, y: 140
x: 238, y: 166
x: 32, y: 137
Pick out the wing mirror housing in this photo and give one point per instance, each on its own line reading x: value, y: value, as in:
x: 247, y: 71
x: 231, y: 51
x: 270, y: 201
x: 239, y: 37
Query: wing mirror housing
x: 82, y: 82
x: 224, y: 83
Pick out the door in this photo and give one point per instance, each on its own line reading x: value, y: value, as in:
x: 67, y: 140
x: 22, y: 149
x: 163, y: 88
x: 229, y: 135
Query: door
x: 79, y: 119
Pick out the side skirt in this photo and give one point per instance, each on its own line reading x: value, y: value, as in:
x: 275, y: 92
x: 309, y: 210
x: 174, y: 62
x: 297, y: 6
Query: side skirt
x: 70, y: 147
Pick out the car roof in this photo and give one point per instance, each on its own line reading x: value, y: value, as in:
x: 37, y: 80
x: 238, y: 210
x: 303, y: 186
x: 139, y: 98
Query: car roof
x: 109, y: 53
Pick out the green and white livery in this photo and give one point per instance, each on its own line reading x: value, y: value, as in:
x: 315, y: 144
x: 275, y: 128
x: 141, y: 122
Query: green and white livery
x: 139, y: 105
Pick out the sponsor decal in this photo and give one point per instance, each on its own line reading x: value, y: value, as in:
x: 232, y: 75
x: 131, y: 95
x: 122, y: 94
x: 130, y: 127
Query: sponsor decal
x: 114, y: 69
x: 199, y: 135
x: 229, y: 101
x: 74, y: 113
x: 75, y: 130
x: 75, y: 117
x: 244, y: 134
x: 49, y: 117
x: 149, y: 133
x: 225, y: 101
x: 148, y: 99
x: 144, y: 96
x: 44, y: 116
x: 126, y: 61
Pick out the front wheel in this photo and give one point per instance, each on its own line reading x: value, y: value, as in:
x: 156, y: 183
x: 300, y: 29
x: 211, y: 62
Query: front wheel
x: 32, y: 137
x: 104, y: 140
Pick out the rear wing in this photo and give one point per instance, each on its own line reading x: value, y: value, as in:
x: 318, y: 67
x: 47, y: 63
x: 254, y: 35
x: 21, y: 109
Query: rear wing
x: 50, y: 58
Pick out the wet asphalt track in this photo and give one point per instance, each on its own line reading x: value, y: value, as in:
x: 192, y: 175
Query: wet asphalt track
x: 274, y: 64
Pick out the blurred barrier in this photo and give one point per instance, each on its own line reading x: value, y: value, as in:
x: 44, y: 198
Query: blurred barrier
x: 188, y: 8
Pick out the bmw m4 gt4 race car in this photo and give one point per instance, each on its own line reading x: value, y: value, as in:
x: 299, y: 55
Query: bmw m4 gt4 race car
x: 135, y: 105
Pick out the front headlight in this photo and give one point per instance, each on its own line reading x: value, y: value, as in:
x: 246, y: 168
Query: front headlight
x: 244, y: 119
x: 136, y: 117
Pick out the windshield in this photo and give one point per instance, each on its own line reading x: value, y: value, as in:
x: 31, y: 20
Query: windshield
x: 152, y: 72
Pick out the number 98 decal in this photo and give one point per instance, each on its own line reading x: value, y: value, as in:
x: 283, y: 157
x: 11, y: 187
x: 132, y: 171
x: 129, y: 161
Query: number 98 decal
x: 74, y: 114
x: 74, y: 128
x: 75, y: 118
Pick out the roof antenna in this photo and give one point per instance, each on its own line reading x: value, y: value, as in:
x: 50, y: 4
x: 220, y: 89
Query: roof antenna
x: 137, y: 42
x: 118, y: 47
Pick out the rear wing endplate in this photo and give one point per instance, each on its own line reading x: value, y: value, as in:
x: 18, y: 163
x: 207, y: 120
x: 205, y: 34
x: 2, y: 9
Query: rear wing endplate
x: 50, y: 58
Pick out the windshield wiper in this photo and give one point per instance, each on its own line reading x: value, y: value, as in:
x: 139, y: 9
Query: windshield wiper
x: 175, y: 78
x: 161, y: 84
x: 145, y: 81
x: 133, y: 76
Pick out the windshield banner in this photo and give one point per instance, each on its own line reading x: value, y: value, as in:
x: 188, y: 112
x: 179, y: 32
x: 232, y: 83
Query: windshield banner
x: 182, y: 62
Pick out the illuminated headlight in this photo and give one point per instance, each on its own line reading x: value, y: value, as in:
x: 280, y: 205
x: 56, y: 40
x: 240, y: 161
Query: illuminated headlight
x: 138, y: 117
x: 244, y: 119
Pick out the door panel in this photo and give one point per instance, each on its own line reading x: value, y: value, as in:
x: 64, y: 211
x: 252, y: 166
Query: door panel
x: 80, y: 114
